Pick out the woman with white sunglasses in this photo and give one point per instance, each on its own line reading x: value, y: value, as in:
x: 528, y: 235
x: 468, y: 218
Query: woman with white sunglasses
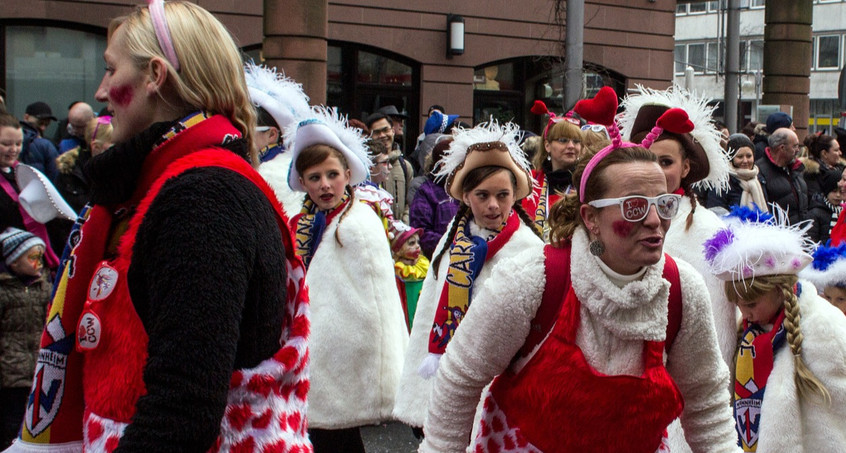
x: 579, y: 355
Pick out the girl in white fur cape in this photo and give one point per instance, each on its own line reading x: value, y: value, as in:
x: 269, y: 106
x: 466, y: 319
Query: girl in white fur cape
x: 790, y: 377
x: 358, y: 332
x: 487, y: 172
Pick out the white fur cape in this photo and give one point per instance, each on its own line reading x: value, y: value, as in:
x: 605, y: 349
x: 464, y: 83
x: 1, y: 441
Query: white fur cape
x: 413, y: 396
x: 799, y: 425
x: 688, y: 245
x: 275, y: 172
x: 358, y: 331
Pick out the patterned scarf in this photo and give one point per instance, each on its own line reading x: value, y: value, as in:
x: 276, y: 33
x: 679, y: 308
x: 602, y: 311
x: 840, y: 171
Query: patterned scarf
x: 754, y: 364
x: 467, y: 255
x: 540, y: 211
x: 310, y: 223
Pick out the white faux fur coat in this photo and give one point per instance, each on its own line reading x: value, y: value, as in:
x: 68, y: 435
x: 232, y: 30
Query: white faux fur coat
x: 614, y: 324
x: 358, y: 332
x: 275, y: 172
x: 413, y: 395
x: 799, y: 425
x: 688, y: 245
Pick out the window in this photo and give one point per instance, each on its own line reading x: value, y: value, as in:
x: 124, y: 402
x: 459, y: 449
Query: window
x: 698, y: 7
x: 681, y: 9
x: 374, y: 68
x: 751, y: 55
x: 680, y: 57
x: 715, y: 60
x: 494, y: 78
x: 757, y: 3
x: 54, y: 65
x: 828, y: 52
x: 696, y: 57
x: 714, y: 5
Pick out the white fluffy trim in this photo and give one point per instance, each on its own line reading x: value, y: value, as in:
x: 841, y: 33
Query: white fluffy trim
x: 429, y: 366
x: 833, y: 275
x: 281, y: 96
x: 491, y: 131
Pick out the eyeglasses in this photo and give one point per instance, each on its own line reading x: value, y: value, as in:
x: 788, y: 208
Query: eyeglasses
x: 381, y: 131
x: 636, y: 207
x: 565, y: 140
x: 596, y: 128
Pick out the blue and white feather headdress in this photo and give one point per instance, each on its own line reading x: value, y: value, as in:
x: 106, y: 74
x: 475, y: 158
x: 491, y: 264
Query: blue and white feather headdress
x: 828, y: 268
x: 756, y: 243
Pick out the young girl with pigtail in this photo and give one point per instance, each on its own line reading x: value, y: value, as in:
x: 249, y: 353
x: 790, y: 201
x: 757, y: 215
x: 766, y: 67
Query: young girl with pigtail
x: 358, y: 330
x: 488, y: 173
x: 790, y: 385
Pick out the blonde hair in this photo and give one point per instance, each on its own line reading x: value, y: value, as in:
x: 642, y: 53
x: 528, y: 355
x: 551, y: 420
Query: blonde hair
x: 211, y: 75
x: 593, y: 141
x: 103, y: 131
x: 806, y: 381
x: 558, y: 130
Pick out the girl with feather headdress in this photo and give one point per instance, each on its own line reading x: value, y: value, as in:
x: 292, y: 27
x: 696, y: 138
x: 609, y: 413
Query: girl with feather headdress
x: 485, y: 170
x: 358, y: 327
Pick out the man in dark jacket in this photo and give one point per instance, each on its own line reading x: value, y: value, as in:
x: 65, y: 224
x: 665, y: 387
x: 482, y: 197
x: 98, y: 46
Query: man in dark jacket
x: 781, y: 175
x: 36, y: 150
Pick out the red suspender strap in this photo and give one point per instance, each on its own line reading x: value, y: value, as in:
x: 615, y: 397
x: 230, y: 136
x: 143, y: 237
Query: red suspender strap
x: 674, y: 304
x: 557, y: 269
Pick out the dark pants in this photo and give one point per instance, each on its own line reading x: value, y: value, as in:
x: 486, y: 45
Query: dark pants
x: 336, y: 440
x: 12, y: 409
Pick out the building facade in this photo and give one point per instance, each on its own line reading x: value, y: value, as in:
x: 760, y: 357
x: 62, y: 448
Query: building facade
x: 379, y: 52
x: 700, y: 41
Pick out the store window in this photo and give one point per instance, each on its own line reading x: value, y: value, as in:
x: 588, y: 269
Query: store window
x: 494, y: 77
x: 361, y: 79
x: 828, y: 52
x: 55, y: 65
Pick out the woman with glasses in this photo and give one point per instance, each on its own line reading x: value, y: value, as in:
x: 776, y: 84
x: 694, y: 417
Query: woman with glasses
x: 689, y: 161
x: 553, y: 167
x: 578, y: 354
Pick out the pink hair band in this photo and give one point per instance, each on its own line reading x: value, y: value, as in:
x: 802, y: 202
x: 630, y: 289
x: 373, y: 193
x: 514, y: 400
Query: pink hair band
x: 594, y: 161
x: 157, y: 14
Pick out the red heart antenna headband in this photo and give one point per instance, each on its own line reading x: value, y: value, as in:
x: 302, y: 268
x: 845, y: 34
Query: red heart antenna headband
x: 539, y: 108
x: 157, y: 14
x: 602, y: 109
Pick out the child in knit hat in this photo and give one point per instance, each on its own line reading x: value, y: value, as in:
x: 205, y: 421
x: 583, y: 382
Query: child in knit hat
x: 828, y: 274
x: 410, y: 265
x: 24, y: 294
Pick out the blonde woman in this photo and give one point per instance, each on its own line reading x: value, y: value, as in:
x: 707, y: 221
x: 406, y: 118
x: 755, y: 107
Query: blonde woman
x: 789, y: 384
x: 179, y: 320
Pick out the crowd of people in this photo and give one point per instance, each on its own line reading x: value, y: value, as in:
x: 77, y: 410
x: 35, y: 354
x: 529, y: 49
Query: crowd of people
x: 213, y: 264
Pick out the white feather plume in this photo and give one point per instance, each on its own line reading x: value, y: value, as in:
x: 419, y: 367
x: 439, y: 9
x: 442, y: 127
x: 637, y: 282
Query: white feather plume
x: 284, y: 91
x: 700, y: 114
x: 337, y: 123
x: 491, y: 131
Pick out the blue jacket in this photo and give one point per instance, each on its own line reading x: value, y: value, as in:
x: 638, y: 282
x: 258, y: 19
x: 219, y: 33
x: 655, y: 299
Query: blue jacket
x: 38, y: 152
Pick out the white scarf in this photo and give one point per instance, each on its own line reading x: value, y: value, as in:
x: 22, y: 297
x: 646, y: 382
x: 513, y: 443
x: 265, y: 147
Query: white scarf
x: 752, y: 191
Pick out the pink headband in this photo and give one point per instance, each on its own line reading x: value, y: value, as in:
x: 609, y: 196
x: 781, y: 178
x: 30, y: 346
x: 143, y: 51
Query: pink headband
x: 157, y: 14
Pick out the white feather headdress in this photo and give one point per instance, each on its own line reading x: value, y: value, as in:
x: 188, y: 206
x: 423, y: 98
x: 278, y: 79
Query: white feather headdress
x: 326, y: 126
x: 465, y: 154
x: 700, y: 114
x: 281, y: 96
x: 756, y: 243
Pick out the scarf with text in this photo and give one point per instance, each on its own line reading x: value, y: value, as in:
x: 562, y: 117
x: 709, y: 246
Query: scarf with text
x: 467, y: 255
x: 755, y: 357
x: 310, y: 224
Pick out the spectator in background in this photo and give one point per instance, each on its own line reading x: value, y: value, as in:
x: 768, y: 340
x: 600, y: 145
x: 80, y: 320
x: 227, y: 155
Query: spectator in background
x: 781, y: 175
x: 824, y: 155
x: 398, y: 123
x: 432, y: 209
x: 824, y: 206
x: 775, y: 121
x: 744, y: 187
x: 382, y: 129
x: 72, y: 181
x: 749, y: 129
x: 437, y: 125
x: 72, y: 129
x: 37, y: 150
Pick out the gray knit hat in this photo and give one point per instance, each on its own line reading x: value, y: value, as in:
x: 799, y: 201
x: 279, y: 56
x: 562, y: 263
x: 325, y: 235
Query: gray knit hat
x: 16, y: 242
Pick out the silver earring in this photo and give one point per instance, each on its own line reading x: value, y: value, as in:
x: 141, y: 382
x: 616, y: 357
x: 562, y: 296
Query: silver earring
x: 597, y: 248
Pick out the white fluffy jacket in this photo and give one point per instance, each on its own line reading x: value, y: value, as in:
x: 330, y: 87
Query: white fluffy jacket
x: 799, y: 425
x: 614, y: 324
x: 687, y: 244
x: 413, y: 396
x: 275, y: 172
x: 358, y: 332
